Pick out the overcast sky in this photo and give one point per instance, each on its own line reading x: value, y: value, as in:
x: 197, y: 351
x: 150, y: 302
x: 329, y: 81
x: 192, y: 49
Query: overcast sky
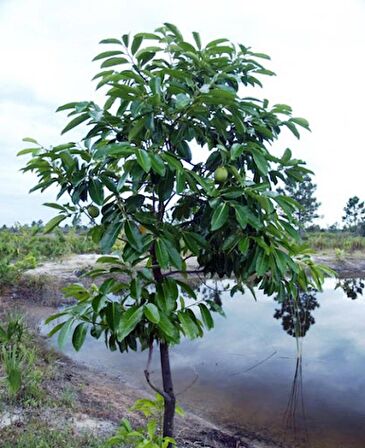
x: 317, y: 50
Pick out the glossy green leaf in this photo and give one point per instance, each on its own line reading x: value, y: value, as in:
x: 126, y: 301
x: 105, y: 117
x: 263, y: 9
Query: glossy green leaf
x: 107, y: 54
x: 143, y: 159
x: 136, y: 43
x: 187, y: 324
x: 96, y: 191
x: 65, y: 332
x: 114, y: 61
x: 162, y: 254
x: 75, y: 122
x: 53, y: 223
x: 206, y: 316
x: 79, y: 335
x: 133, y: 235
x: 152, y: 313
x: 110, y: 236
x: 129, y: 321
x: 241, y: 215
x: 220, y: 216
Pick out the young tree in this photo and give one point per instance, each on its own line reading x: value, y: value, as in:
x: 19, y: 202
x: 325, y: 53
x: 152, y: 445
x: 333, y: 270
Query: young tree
x: 303, y: 193
x: 165, y: 103
x: 354, y: 213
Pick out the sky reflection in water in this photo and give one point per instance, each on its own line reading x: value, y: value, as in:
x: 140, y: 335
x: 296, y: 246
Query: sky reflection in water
x: 245, y: 367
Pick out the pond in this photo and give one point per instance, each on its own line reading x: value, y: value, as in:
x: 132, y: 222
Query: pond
x: 251, y: 374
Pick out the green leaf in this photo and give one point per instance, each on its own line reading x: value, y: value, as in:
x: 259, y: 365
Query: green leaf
x: 197, y: 39
x: 30, y: 140
x: 129, y: 321
x: 182, y: 100
x: 54, y: 222
x: 167, y: 327
x: 301, y: 122
x: 133, y: 235
x: 188, y: 325
x: 241, y: 215
x: 174, y: 254
x: 136, y: 43
x: 185, y: 287
x: 261, y: 162
x: 162, y: 254
x: 122, y: 180
x: 75, y: 122
x: 113, y: 315
x: 113, y: 61
x: 174, y: 30
x: 79, y: 335
x: 180, y: 181
x: 110, y: 41
x: 54, y: 205
x: 143, y: 159
x: 293, y: 128
x: 65, y: 330
x: 136, y: 288
x: 152, y: 313
x: 136, y: 128
x: 96, y: 191
x: 206, y: 316
x: 67, y: 106
x: 157, y: 164
x: 27, y: 151
x: 244, y: 244
x: 147, y: 36
x: 219, y: 216
x: 110, y: 236
x: 107, y: 54
x: 236, y: 150
x: 170, y: 294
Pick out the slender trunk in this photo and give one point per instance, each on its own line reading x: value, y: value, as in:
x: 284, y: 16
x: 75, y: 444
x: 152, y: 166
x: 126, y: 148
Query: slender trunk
x: 168, y: 387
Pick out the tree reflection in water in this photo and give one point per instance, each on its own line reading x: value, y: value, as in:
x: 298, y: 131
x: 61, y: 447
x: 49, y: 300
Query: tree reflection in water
x: 352, y: 287
x: 296, y: 316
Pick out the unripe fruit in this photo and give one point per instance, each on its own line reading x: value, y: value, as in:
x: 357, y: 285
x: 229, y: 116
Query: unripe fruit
x: 220, y: 174
x: 93, y: 211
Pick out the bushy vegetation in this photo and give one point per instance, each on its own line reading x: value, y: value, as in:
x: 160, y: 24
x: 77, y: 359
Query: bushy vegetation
x: 330, y: 241
x: 20, y: 370
x: 22, y: 247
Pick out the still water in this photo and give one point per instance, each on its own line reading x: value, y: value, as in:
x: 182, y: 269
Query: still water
x: 246, y: 373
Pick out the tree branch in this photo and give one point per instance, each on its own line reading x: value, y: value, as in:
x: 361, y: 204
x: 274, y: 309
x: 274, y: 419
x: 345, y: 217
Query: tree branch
x: 147, y: 373
x: 197, y: 271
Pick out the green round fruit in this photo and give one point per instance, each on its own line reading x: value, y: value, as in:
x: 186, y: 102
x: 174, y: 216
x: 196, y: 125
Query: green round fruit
x: 93, y: 211
x: 220, y: 174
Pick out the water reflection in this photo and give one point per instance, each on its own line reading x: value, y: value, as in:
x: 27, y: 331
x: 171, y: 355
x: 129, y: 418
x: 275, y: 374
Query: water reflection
x: 249, y: 374
x: 296, y: 316
x: 296, y: 313
x: 353, y: 287
x: 294, y: 416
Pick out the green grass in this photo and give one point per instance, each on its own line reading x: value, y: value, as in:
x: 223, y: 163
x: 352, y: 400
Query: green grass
x: 38, y: 434
x: 328, y: 241
x: 23, y: 247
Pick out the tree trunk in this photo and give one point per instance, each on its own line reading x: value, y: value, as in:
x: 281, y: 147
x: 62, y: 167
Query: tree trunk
x: 168, y: 387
